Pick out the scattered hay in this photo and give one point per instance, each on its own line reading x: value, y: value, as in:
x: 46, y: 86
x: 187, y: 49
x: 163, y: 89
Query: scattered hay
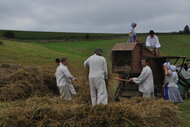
x: 22, y: 82
x: 46, y: 112
x: 35, y: 103
x: 19, y: 82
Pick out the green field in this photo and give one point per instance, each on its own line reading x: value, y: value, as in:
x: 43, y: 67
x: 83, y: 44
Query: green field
x: 44, y: 54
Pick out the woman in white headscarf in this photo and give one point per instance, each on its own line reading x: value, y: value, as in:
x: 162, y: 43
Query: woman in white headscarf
x: 173, y: 92
x: 132, y: 33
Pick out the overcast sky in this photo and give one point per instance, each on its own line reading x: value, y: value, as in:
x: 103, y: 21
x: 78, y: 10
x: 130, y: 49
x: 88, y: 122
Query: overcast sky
x: 102, y: 16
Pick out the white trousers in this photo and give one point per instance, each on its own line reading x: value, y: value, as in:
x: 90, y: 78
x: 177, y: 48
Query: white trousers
x: 65, y: 92
x: 98, y: 91
x: 148, y: 95
x: 72, y: 88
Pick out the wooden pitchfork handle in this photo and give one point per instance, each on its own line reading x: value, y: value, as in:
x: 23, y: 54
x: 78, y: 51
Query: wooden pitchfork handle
x: 120, y: 79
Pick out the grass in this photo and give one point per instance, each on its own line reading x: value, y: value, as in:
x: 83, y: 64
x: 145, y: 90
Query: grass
x: 44, y: 54
x: 184, y: 108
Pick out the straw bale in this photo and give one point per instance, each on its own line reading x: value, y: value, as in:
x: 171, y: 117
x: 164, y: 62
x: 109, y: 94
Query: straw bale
x: 136, y: 112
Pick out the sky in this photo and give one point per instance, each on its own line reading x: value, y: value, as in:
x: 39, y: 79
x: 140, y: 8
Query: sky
x: 94, y: 16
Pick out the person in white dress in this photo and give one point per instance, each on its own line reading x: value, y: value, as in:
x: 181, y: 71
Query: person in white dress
x: 173, y: 92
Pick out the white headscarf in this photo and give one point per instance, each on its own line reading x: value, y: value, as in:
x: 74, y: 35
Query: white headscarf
x: 173, y: 67
x: 133, y: 23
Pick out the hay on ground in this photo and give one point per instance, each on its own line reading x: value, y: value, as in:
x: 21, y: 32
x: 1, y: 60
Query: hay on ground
x: 23, y: 82
x: 20, y: 82
x: 137, y: 112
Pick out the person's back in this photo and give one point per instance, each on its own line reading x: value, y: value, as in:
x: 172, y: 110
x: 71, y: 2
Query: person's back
x: 97, y: 65
x: 97, y: 75
x: 173, y: 92
x: 173, y: 78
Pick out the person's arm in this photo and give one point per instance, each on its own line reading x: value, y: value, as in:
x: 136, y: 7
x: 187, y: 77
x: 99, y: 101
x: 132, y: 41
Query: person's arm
x: 166, y: 69
x: 147, y: 42
x: 67, y: 74
x: 176, y: 78
x: 86, y: 63
x: 144, y: 74
x: 105, y: 69
x: 157, y: 42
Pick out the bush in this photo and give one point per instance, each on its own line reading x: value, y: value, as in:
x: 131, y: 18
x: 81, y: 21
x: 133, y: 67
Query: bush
x: 87, y: 36
x: 9, y: 34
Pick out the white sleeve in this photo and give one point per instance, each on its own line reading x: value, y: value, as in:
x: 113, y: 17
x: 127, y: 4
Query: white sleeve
x: 67, y: 73
x: 105, y: 69
x: 142, y: 76
x: 147, y: 42
x: 157, y: 43
x: 86, y: 63
x: 176, y: 77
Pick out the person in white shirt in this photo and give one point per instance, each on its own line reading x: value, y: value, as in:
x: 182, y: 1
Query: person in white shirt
x: 63, y: 80
x: 152, y: 42
x: 132, y: 33
x: 98, y: 73
x: 145, y: 80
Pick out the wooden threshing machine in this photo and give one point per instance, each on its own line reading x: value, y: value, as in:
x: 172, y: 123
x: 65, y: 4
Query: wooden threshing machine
x: 126, y: 62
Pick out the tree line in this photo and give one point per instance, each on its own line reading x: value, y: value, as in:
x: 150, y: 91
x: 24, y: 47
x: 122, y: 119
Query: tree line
x: 11, y: 34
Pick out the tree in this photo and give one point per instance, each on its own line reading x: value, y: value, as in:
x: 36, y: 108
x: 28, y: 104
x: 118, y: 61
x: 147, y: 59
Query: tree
x: 87, y: 36
x: 186, y: 30
x: 180, y: 32
x: 9, y: 34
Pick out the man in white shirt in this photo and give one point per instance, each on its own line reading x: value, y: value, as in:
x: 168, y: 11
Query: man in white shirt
x: 145, y: 80
x: 152, y: 42
x: 63, y: 79
x: 97, y: 75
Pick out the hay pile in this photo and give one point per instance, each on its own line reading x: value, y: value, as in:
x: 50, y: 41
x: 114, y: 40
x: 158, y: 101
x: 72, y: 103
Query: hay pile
x: 32, y: 100
x: 18, y: 82
x: 48, y: 112
x: 21, y: 82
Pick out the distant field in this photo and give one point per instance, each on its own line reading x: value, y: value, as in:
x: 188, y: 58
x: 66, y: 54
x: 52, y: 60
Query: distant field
x: 35, y: 35
x: 178, y: 45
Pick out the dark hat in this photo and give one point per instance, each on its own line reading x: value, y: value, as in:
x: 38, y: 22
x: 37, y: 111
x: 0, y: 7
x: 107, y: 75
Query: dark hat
x: 151, y: 32
x: 98, y: 51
